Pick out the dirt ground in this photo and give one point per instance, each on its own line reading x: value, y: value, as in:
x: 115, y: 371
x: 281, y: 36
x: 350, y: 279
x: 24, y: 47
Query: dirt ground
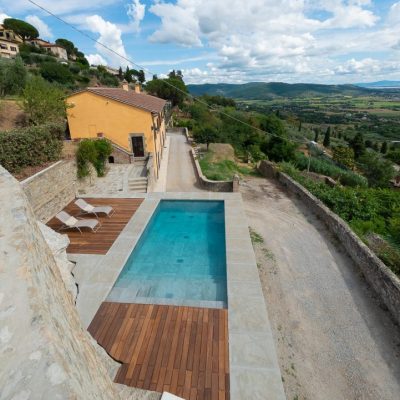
x: 11, y: 115
x: 333, y: 339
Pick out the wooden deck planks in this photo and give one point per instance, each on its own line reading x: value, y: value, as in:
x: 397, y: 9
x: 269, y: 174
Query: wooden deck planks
x: 101, y: 241
x: 183, y: 350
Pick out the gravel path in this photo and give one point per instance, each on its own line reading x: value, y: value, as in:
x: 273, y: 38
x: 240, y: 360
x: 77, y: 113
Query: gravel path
x: 180, y: 173
x: 333, y: 339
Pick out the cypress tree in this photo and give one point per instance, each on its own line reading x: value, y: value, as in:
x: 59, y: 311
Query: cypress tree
x: 316, y: 131
x: 327, y: 137
x: 384, y: 148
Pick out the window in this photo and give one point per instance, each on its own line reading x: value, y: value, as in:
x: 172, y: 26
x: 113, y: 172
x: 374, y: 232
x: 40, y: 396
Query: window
x: 3, y: 46
x: 12, y: 48
x: 1, y: 34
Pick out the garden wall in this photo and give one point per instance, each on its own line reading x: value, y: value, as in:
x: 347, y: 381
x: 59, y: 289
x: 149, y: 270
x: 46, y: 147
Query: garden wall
x: 45, y: 352
x: 50, y: 190
x: 213, y: 186
x: 385, y: 283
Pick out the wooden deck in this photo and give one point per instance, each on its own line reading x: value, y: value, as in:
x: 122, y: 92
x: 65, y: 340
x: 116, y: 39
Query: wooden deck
x: 101, y: 241
x: 182, y: 350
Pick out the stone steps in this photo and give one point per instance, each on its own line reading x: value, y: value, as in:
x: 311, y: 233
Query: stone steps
x: 138, y: 185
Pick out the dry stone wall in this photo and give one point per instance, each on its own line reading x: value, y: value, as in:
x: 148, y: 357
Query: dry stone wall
x: 44, y: 351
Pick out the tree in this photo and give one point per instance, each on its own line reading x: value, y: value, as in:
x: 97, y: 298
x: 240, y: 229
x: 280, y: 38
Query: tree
x: 316, y: 135
x: 378, y: 171
x: 129, y: 75
x: 358, y: 145
x: 384, y: 148
x: 12, y: 77
x: 205, y: 134
x: 141, y: 76
x: 55, y: 72
x: 68, y: 46
x: 120, y: 74
x: 176, y: 75
x: 21, y: 28
x: 171, y: 89
x: 279, y: 149
x: 272, y: 124
x: 394, y: 155
x: 300, y: 126
x: 327, y: 137
x: 43, y: 102
x: 344, y: 156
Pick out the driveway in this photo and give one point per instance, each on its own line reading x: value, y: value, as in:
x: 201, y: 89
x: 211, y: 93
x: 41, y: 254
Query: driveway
x: 181, y: 175
x: 333, y: 339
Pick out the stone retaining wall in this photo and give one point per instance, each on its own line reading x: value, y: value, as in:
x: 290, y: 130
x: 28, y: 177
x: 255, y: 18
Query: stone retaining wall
x: 45, y: 353
x: 385, y: 283
x: 212, y: 186
x: 50, y: 190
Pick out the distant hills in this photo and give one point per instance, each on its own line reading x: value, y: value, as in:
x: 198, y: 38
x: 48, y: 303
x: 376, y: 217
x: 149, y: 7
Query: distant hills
x: 380, y: 84
x: 272, y: 90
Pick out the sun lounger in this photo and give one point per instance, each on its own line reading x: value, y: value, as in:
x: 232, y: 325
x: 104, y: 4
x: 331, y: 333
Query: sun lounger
x: 87, y: 208
x: 70, y: 222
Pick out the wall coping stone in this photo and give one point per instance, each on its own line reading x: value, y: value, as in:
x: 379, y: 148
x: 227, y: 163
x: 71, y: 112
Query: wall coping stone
x: 31, y: 178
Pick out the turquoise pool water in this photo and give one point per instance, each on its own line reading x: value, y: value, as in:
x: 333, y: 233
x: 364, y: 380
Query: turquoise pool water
x: 179, y: 259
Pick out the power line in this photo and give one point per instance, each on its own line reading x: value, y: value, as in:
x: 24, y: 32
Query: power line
x: 151, y: 73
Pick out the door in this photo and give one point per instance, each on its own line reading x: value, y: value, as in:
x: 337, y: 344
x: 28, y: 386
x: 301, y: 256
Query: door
x: 137, y: 146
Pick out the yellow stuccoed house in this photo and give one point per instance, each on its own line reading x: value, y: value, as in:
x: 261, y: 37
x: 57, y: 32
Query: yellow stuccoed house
x: 134, y: 122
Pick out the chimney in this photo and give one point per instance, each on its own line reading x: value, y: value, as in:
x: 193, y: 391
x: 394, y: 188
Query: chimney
x: 137, y: 88
x: 125, y: 85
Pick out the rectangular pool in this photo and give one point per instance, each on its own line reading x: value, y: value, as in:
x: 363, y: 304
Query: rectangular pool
x: 180, y: 258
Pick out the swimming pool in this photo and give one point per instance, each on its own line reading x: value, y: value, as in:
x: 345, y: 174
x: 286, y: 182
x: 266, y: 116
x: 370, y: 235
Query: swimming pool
x: 179, y: 259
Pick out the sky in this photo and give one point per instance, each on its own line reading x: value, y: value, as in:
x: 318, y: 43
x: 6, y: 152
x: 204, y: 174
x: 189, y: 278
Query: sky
x: 231, y: 41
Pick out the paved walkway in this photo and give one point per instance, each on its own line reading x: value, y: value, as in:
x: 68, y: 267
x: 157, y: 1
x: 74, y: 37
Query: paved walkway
x: 333, y: 339
x: 181, y: 175
x: 115, y: 181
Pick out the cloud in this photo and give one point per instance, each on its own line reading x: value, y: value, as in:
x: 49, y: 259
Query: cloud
x: 40, y: 25
x: 110, y: 36
x: 96, y: 59
x: 57, y: 7
x: 288, y: 40
x: 179, y: 24
x: 136, y: 12
x: 3, y: 16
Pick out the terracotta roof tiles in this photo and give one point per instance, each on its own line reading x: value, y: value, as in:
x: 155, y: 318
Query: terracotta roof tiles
x: 131, y: 98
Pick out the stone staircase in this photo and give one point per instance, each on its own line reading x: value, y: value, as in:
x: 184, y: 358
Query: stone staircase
x: 137, y: 179
x: 137, y: 185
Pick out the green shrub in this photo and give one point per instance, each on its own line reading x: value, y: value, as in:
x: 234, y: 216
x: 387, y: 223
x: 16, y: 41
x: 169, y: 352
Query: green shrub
x: 55, y: 72
x: 394, y: 155
x: 85, y: 155
x: 378, y: 171
x: 103, y: 149
x: 95, y: 152
x: 279, y: 149
x: 31, y: 146
x: 324, y: 167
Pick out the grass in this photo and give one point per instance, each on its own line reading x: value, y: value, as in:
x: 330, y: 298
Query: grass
x: 223, y: 170
x: 256, y: 238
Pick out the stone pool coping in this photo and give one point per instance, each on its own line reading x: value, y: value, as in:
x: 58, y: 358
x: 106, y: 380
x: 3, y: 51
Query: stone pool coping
x: 254, y: 368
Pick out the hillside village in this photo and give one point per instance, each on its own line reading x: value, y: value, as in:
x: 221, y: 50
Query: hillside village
x: 163, y: 240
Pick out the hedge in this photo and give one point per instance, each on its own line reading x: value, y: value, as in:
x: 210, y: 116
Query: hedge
x: 31, y: 146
